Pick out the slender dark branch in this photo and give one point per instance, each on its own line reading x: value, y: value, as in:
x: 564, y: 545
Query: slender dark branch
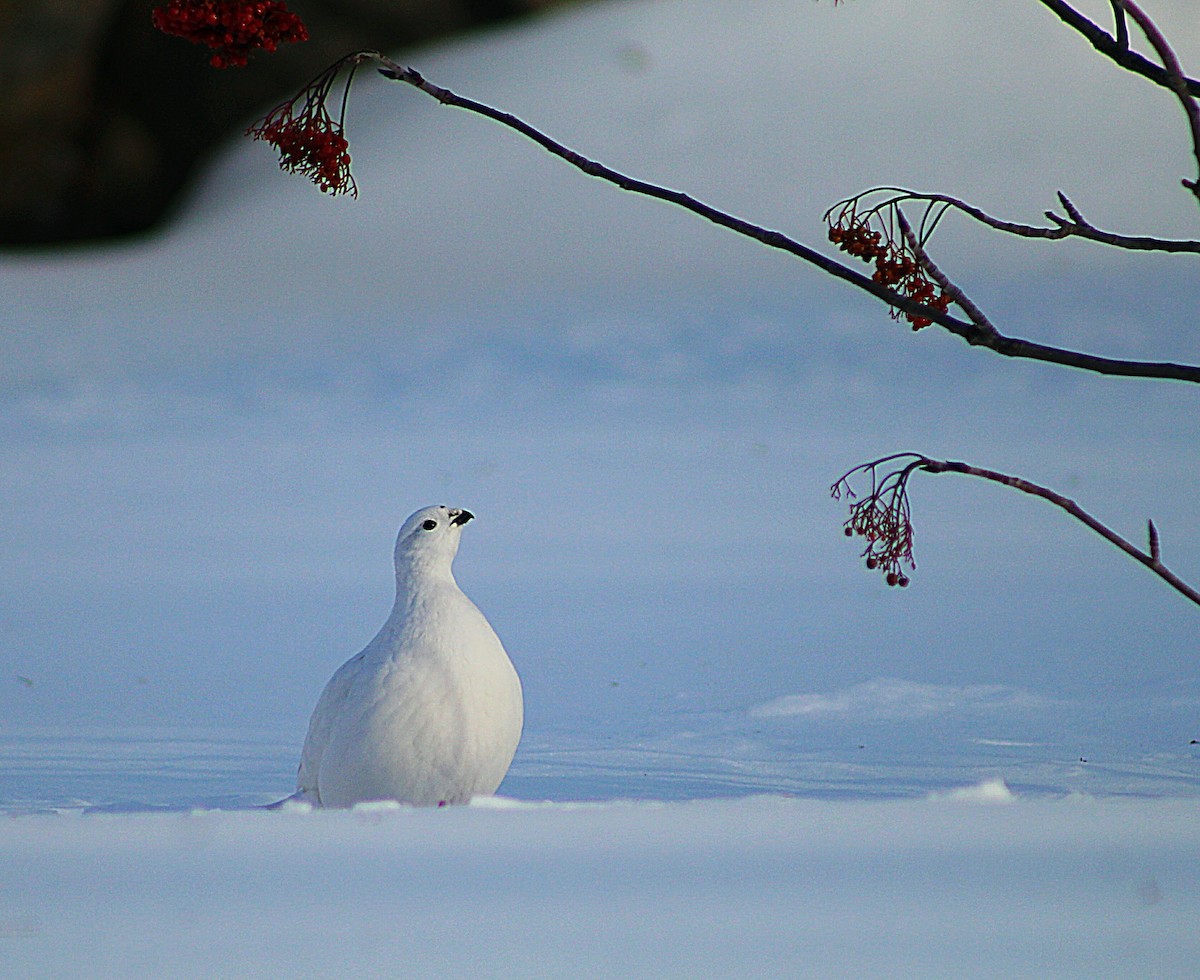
x: 1176, y: 81
x: 970, y: 332
x: 882, y: 516
x: 592, y: 168
x: 1149, y: 558
x: 1113, y: 48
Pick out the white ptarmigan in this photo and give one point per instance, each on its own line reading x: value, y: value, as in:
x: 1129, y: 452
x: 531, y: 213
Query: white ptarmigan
x: 430, y: 712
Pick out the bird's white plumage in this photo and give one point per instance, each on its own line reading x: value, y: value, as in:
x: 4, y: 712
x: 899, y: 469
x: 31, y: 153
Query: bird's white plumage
x: 431, y: 711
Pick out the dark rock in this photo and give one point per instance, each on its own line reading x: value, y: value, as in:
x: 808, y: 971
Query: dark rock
x: 105, y: 120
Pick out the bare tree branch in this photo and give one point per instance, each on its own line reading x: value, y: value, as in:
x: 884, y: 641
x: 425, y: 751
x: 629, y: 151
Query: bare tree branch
x: 883, y: 516
x: 1117, y: 49
x: 970, y: 332
x: 1176, y: 81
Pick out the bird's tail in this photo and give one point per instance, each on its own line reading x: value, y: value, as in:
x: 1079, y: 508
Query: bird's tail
x: 299, y: 798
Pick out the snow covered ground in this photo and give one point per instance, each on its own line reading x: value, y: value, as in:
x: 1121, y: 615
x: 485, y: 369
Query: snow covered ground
x: 758, y: 760
x: 759, y: 886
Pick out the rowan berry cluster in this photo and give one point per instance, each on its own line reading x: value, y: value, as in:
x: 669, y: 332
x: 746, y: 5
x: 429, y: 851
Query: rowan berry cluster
x: 232, y: 28
x: 882, y: 518
x: 310, y: 144
x: 309, y: 140
x: 895, y: 266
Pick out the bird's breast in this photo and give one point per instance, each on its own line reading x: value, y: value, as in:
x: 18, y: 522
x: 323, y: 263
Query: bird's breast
x: 437, y: 713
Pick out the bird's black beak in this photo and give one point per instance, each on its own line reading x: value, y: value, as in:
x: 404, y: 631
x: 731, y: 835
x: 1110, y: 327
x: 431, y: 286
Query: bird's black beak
x: 460, y: 517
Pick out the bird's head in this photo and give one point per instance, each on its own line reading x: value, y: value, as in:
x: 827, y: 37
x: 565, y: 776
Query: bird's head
x: 428, y: 541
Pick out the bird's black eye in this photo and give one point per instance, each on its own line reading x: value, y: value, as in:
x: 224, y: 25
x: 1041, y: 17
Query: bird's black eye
x: 429, y: 525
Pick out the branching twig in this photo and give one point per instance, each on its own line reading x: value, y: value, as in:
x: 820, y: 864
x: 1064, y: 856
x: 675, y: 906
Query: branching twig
x: 325, y: 158
x: 310, y: 141
x: 1074, y: 225
x: 1176, y: 81
x: 883, y: 516
x: 1117, y: 49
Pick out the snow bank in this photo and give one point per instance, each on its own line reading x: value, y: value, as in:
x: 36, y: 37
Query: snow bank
x: 762, y: 886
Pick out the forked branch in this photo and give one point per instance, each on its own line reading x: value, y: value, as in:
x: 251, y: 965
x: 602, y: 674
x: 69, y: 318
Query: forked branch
x: 1115, y: 48
x: 1169, y: 74
x: 1175, y: 79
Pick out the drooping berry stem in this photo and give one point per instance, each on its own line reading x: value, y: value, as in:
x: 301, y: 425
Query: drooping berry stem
x: 309, y: 140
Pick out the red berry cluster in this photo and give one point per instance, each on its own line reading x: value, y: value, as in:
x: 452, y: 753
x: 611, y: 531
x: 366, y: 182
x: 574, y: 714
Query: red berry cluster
x: 311, y: 144
x: 232, y: 28
x: 888, y: 544
x: 882, y: 518
x: 309, y: 141
x: 894, y: 266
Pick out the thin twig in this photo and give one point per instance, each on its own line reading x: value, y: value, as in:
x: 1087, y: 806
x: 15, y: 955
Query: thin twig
x: 1150, y: 559
x: 1113, y: 48
x: 1073, y: 226
x: 593, y: 168
x: 1176, y: 81
x: 970, y: 332
x: 974, y: 313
